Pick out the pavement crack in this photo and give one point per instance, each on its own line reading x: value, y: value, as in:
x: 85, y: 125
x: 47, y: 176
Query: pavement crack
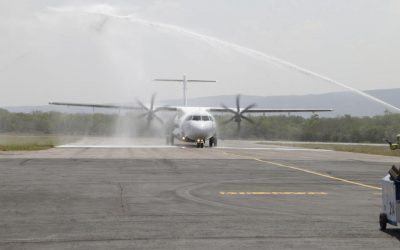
x: 23, y: 163
x: 121, y: 200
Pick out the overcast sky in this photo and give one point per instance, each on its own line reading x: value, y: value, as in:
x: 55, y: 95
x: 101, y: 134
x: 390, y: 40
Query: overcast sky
x: 80, y: 51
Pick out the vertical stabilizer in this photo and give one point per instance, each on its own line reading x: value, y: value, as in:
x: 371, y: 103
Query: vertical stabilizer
x: 184, y: 81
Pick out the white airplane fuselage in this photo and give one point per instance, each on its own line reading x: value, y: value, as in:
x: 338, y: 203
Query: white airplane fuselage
x: 193, y: 124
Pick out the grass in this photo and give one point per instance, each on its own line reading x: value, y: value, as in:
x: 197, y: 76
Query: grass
x: 25, y: 147
x: 354, y: 148
x: 17, y: 142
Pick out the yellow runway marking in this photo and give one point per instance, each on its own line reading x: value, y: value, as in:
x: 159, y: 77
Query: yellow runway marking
x: 308, y: 171
x: 272, y: 193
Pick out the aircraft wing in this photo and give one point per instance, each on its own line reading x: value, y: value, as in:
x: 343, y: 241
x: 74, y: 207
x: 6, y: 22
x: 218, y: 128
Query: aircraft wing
x: 92, y: 105
x: 127, y: 107
x: 175, y: 108
x: 216, y: 109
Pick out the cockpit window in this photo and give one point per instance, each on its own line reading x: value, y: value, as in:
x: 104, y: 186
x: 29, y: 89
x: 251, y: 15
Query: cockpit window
x: 196, y: 118
x: 199, y: 118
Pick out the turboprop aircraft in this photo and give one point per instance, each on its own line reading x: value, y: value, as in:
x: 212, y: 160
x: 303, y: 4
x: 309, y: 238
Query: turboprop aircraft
x: 193, y: 124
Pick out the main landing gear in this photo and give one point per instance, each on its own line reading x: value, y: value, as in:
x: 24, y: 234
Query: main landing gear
x: 213, y: 142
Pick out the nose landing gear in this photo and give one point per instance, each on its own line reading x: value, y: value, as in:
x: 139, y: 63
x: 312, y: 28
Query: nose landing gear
x: 200, y: 143
x: 212, y: 142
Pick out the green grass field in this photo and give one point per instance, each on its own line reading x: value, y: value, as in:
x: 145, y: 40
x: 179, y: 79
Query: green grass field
x: 354, y: 148
x: 17, y: 142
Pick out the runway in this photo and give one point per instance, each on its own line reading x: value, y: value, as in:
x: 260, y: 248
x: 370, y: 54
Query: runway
x: 241, y: 195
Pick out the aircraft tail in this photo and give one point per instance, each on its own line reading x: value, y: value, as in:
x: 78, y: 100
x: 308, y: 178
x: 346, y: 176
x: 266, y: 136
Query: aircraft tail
x: 184, y: 82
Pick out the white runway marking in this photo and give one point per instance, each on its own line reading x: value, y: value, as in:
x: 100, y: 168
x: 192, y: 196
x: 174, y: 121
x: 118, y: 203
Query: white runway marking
x: 277, y: 149
x: 179, y: 146
x: 114, y: 146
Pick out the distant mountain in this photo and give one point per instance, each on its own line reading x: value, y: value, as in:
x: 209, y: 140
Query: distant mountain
x: 342, y: 103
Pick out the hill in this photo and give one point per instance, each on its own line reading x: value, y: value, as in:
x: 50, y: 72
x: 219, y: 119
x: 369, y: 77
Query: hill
x: 342, y: 103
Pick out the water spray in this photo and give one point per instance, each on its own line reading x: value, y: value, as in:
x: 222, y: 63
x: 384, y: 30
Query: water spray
x: 213, y: 41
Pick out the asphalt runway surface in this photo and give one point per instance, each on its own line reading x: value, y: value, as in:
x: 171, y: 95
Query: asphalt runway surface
x: 102, y: 194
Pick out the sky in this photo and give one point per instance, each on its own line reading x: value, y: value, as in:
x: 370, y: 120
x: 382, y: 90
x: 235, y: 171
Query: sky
x: 110, y: 51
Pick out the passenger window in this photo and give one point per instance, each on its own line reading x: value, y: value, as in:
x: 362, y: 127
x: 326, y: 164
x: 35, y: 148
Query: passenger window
x: 196, y: 118
x: 188, y: 118
x: 204, y: 118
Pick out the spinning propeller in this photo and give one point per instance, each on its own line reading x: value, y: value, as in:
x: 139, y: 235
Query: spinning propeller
x: 238, y: 113
x: 150, y: 113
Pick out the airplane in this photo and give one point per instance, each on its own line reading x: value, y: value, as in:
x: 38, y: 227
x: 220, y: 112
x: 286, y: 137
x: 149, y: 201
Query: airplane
x: 193, y: 124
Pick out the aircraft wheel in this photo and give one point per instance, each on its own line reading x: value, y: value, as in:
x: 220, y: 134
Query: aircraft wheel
x: 383, y: 221
x: 213, y: 142
x: 198, y: 145
x: 202, y: 145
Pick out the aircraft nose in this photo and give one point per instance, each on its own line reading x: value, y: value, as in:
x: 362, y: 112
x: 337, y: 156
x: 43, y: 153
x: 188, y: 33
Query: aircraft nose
x: 201, y: 129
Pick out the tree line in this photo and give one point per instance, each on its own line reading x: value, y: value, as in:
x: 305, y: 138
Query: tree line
x: 277, y: 127
x: 339, y: 129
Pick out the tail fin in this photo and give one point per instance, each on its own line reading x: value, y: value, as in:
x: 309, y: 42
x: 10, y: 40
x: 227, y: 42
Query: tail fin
x: 184, y: 81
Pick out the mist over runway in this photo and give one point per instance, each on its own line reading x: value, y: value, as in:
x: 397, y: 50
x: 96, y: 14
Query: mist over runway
x: 240, y: 195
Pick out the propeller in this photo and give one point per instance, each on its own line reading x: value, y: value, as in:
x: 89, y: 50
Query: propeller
x: 238, y: 113
x: 150, y: 112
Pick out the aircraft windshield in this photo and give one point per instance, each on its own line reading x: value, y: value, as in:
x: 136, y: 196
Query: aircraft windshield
x: 199, y: 118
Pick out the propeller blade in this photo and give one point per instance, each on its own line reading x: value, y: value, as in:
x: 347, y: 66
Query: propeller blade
x: 159, y: 119
x: 247, y: 108
x: 238, y: 103
x: 150, y: 112
x: 229, y: 120
x: 238, y: 115
x: 228, y: 109
x: 247, y: 119
x: 142, y: 105
x: 153, y: 96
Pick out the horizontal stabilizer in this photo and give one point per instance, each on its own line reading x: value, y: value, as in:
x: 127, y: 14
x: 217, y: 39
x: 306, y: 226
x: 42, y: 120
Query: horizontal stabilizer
x: 201, y: 81
x: 168, y: 80
x: 181, y: 80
